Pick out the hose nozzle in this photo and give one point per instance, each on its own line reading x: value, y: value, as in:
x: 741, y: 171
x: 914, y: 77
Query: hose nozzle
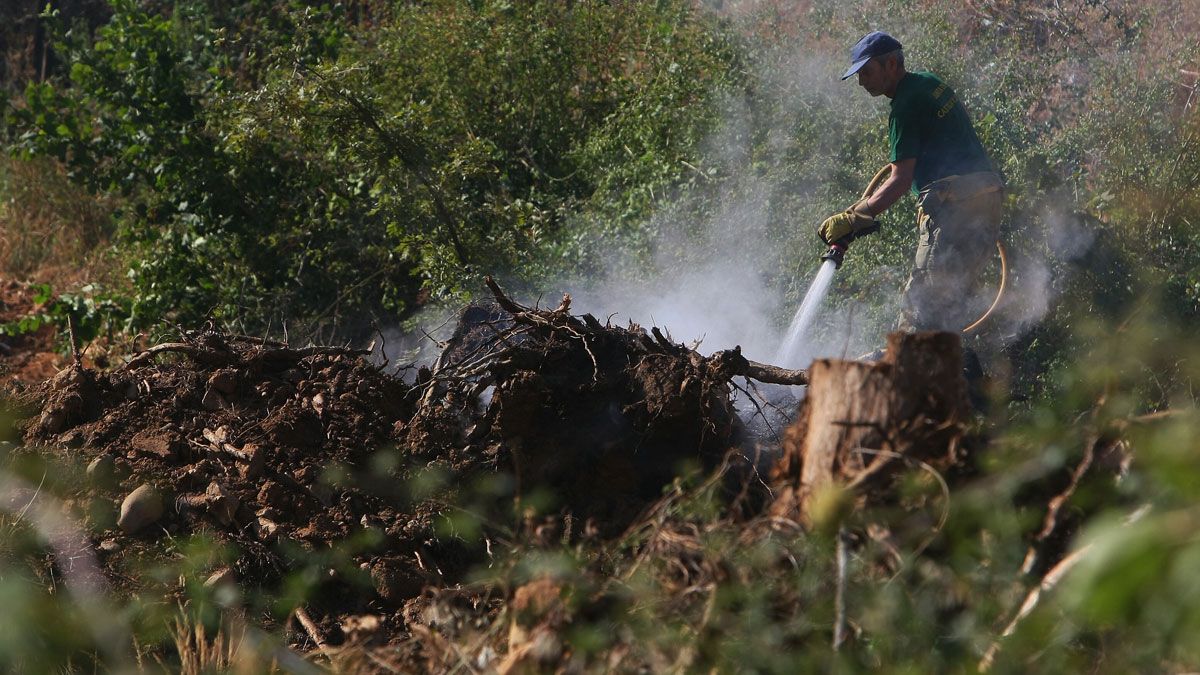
x: 836, y: 252
x: 837, y: 249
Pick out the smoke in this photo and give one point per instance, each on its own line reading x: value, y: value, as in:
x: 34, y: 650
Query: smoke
x: 1035, y: 286
x: 721, y: 281
x: 417, y: 343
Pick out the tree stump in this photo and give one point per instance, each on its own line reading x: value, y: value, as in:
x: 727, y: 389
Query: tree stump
x: 860, y: 420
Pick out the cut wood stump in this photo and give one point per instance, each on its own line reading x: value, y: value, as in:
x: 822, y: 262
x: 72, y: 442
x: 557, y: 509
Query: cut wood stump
x: 861, y: 422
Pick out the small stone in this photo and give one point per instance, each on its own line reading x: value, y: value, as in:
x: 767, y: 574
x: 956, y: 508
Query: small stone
x: 224, y: 381
x: 140, y: 508
x: 53, y: 421
x: 267, y: 528
x: 102, y: 469
x: 221, y: 503
x: 109, y: 546
x: 318, y: 404
x: 222, y: 577
x: 74, y: 439
x: 213, y: 400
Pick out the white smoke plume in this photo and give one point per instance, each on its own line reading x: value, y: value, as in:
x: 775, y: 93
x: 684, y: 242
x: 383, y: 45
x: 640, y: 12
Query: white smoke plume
x: 1035, y: 287
x: 711, y: 280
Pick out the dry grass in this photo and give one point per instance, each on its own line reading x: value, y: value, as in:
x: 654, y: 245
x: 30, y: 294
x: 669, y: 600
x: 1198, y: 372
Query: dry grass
x: 51, y: 231
x: 233, y: 649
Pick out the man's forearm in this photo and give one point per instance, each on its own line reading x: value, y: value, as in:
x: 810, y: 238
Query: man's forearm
x: 897, y: 183
x: 887, y: 194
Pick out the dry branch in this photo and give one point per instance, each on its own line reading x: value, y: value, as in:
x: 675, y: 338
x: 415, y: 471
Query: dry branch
x: 774, y: 374
x: 1057, y: 526
x: 222, y: 356
x: 311, y: 628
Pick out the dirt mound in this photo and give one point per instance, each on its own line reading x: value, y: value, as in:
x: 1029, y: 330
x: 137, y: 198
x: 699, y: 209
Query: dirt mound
x: 280, y: 450
x: 254, y: 443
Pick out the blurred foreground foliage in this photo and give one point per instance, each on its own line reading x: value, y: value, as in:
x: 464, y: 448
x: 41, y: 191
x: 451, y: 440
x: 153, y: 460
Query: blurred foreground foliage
x: 322, y: 165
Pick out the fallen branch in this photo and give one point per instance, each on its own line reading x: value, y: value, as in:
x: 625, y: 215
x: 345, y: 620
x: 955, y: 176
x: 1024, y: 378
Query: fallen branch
x: 214, y: 357
x: 774, y: 374
x: 198, y: 354
x: 1055, y: 524
x: 311, y: 628
x: 1045, y: 585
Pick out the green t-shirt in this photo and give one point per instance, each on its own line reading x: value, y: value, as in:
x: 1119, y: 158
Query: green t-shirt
x: 928, y: 122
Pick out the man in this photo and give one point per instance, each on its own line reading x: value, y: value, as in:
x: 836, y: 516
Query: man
x: 935, y: 151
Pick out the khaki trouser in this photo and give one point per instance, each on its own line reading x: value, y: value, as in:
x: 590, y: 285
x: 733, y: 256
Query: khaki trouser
x: 958, y: 221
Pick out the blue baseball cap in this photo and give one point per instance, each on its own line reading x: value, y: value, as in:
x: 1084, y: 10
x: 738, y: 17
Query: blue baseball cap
x: 873, y: 44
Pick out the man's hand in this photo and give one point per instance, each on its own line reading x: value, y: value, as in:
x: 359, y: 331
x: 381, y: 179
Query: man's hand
x: 840, y: 225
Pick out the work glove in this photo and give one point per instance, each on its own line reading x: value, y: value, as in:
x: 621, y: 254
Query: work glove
x: 852, y: 222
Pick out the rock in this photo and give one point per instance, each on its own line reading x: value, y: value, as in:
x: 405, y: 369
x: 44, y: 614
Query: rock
x: 267, y: 529
x: 221, y: 503
x: 222, y: 577
x: 159, y: 443
x: 255, y: 461
x: 102, y: 469
x: 224, y: 381
x: 109, y: 546
x: 74, y: 439
x: 140, y: 508
x: 213, y: 400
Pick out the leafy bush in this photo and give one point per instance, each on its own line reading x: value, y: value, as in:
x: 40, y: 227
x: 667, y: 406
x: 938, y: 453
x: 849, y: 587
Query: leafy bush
x: 208, y: 231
